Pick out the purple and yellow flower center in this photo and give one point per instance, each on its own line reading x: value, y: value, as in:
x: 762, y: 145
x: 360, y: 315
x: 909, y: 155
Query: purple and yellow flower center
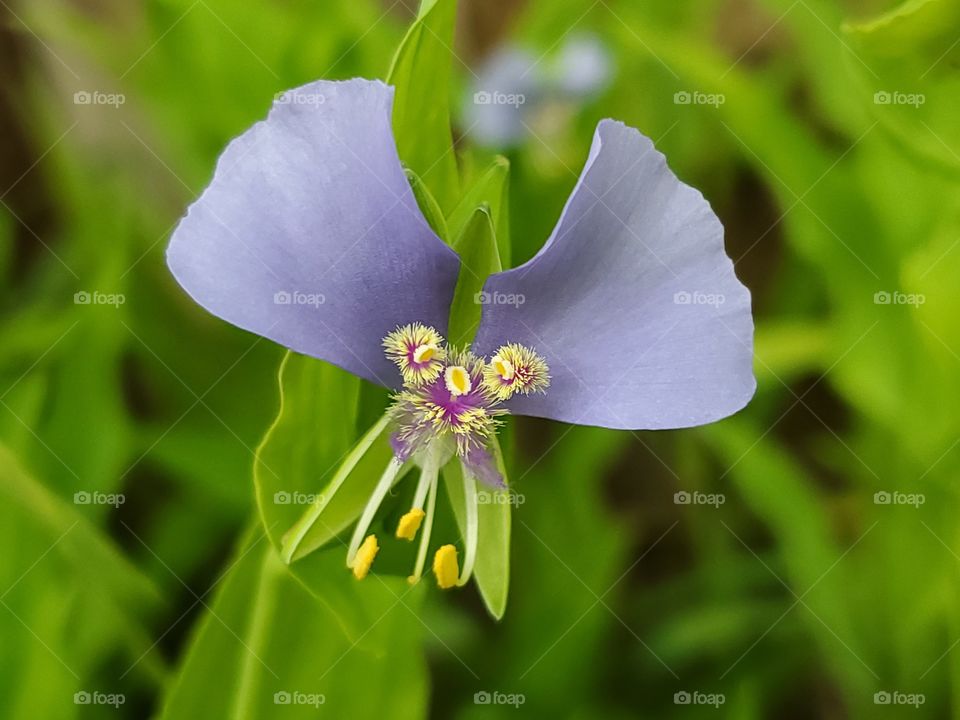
x: 450, y: 404
x: 456, y: 404
x: 461, y: 398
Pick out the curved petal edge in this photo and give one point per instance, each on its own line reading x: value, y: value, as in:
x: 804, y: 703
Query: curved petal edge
x: 632, y: 300
x: 309, y: 234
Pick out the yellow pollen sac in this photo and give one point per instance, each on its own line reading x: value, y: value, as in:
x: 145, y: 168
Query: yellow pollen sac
x: 502, y: 367
x: 365, y: 555
x: 409, y: 524
x: 424, y: 353
x: 457, y: 380
x: 445, y: 567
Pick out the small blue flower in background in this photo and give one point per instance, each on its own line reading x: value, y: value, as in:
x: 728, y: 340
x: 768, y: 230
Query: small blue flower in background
x: 515, y: 88
x: 584, y: 67
x: 631, y: 314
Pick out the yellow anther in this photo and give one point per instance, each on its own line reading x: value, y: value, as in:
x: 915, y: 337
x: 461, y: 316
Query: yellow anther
x: 424, y: 353
x: 457, y: 380
x: 365, y: 555
x: 445, y: 567
x: 502, y: 367
x: 409, y: 524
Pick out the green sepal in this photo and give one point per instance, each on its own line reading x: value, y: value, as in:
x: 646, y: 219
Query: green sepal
x: 428, y: 205
x: 421, y: 72
x: 479, y: 258
x: 491, y: 572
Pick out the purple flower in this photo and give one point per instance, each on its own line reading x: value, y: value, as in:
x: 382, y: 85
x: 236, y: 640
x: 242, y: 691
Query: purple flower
x: 309, y: 235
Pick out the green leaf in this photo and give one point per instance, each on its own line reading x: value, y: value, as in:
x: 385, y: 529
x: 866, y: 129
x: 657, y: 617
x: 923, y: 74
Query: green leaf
x: 265, y: 636
x: 309, y: 451
x: 492, y: 569
x: 569, y: 549
x: 421, y: 72
x: 311, y: 485
x: 93, y: 556
x: 318, y: 405
x: 910, y: 80
x: 807, y: 548
x: 477, y: 247
x: 71, y: 600
x: 922, y: 26
x: 428, y: 205
x: 787, y: 350
x: 333, y: 511
x: 491, y: 189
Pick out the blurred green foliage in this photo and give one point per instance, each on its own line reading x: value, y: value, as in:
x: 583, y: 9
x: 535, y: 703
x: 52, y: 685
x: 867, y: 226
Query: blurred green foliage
x: 821, y: 579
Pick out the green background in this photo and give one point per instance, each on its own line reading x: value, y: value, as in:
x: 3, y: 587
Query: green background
x: 802, y: 595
